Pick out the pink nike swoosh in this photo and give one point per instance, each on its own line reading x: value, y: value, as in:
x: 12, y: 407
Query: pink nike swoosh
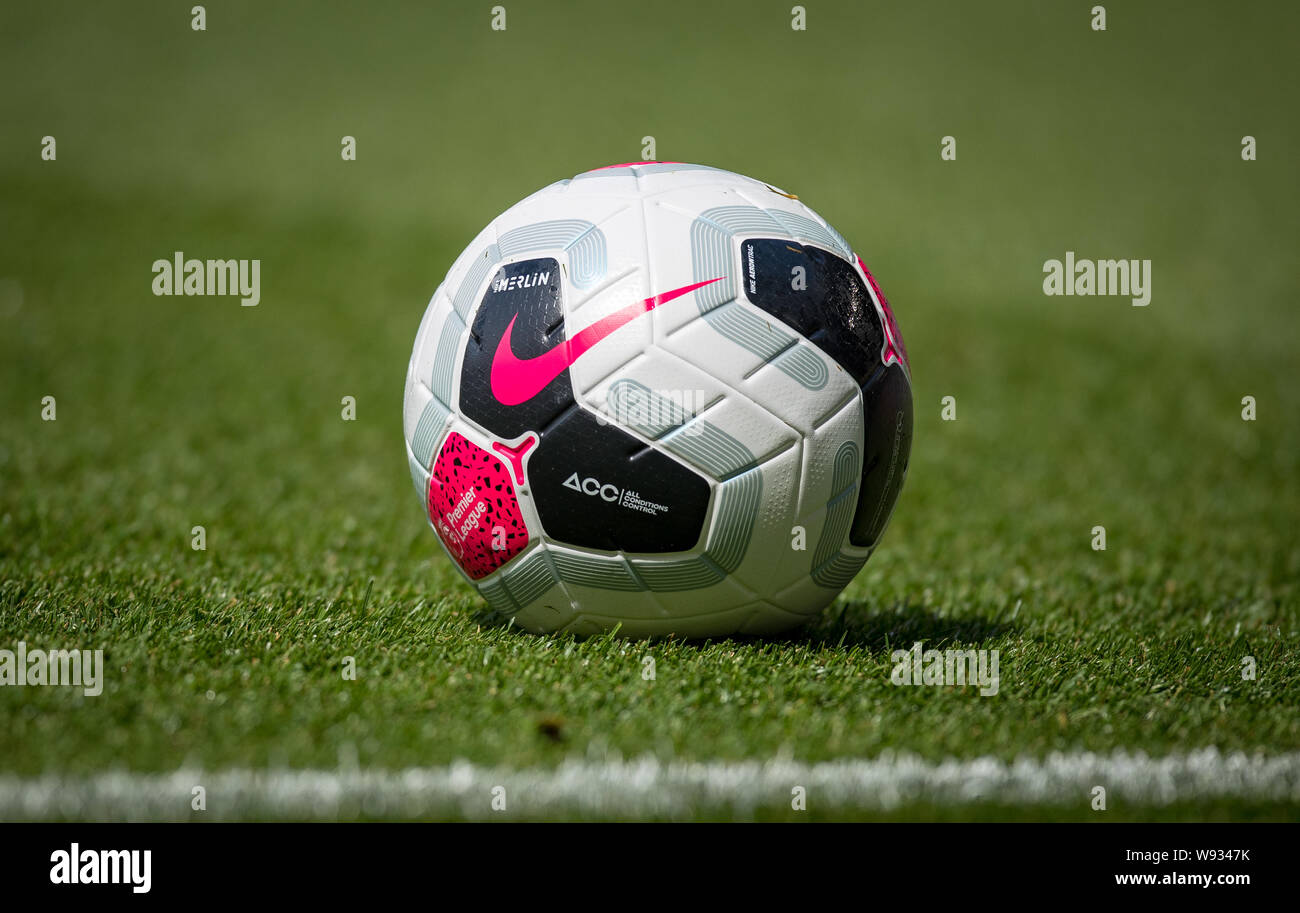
x: 515, y: 380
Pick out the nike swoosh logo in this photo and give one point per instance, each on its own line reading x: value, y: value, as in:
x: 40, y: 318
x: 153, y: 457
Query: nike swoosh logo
x: 516, y: 380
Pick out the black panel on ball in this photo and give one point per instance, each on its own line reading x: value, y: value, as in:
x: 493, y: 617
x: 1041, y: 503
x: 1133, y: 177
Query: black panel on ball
x: 819, y: 295
x: 887, y: 436
x: 822, y: 297
x: 527, y: 292
x: 595, y: 485
x: 599, y: 487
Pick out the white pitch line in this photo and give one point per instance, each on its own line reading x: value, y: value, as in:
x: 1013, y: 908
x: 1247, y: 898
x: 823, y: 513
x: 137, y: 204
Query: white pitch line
x: 648, y: 787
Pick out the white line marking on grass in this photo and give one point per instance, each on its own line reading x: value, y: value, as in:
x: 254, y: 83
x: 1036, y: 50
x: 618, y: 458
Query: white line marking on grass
x: 653, y: 788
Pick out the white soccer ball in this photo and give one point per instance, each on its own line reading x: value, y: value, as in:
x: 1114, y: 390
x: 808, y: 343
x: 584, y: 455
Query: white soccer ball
x: 662, y: 397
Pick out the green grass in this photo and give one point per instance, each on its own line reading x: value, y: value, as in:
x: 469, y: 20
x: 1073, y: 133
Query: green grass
x: 1072, y: 412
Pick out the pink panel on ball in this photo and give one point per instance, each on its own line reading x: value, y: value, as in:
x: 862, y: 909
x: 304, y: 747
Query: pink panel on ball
x: 895, y: 350
x: 470, y: 494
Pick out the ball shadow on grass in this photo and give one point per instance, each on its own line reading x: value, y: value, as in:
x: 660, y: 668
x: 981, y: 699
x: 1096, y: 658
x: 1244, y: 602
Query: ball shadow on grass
x: 867, y: 626
x: 845, y: 625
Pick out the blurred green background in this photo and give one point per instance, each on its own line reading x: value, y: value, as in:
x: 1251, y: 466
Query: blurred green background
x: 1072, y: 412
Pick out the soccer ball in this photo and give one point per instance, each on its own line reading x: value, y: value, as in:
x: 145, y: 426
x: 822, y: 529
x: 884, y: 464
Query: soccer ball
x: 660, y: 397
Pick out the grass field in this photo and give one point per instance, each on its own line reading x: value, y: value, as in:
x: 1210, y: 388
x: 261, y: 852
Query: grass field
x: 1071, y: 412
